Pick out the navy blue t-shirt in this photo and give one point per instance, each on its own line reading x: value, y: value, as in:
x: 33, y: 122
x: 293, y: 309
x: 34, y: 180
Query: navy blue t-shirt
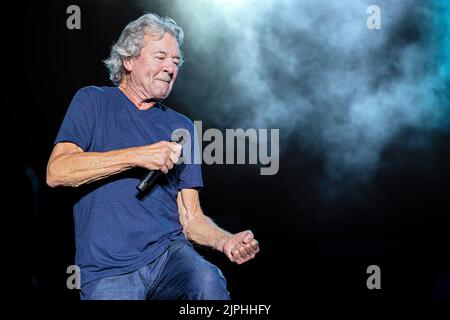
x: 116, y: 232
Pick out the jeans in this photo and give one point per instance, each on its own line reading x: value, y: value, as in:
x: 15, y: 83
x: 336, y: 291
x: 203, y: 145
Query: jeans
x: 180, y: 273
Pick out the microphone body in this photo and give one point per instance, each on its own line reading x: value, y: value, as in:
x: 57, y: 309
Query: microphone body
x: 148, y: 180
x: 151, y: 176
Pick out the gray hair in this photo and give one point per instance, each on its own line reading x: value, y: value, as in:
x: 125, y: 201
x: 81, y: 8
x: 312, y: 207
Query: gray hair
x: 131, y: 41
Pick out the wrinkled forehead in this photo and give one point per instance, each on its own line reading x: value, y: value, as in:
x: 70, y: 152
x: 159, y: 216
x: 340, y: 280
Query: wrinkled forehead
x: 166, y: 43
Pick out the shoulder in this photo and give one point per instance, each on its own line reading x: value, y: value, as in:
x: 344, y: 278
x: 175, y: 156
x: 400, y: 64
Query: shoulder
x: 94, y: 91
x: 90, y: 99
x: 177, y: 117
x: 93, y: 96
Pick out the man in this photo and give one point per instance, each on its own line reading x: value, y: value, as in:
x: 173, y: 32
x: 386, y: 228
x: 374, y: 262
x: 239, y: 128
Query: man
x: 129, y: 247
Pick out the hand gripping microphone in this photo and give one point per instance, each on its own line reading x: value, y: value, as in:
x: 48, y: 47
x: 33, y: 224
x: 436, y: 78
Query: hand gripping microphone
x: 151, y: 176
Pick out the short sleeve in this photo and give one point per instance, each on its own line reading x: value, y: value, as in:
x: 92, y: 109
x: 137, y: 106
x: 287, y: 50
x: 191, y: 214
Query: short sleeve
x: 78, y: 124
x: 190, y: 172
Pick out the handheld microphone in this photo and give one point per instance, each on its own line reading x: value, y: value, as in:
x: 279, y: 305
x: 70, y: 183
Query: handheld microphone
x: 151, y: 176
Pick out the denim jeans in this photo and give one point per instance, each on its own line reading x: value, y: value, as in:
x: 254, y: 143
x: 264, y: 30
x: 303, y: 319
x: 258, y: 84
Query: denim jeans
x: 180, y: 273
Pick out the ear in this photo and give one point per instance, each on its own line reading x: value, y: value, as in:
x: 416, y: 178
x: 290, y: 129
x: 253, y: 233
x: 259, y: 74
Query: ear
x: 128, y: 64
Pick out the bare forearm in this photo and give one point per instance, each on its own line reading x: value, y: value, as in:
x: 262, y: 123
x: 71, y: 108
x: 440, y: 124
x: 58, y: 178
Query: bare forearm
x: 75, y: 169
x: 204, y: 231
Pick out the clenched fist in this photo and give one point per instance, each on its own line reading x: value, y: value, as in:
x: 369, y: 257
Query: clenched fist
x: 158, y: 156
x: 241, y: 247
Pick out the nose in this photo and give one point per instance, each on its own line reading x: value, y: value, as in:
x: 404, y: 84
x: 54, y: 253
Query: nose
x: 169, y: 67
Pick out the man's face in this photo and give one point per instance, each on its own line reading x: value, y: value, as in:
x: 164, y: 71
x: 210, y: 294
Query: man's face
x: 155, y: 70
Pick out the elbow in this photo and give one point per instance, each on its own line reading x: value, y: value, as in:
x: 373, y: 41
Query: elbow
x: 57, y: 180
x: 51, y: 180
x: 52, y: 183
x: 52, y: 176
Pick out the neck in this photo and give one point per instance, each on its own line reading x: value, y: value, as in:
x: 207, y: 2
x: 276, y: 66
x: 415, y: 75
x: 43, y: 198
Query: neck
x: 136, y: 97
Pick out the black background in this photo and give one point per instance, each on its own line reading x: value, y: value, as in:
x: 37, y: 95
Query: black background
x: 398, y: 222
